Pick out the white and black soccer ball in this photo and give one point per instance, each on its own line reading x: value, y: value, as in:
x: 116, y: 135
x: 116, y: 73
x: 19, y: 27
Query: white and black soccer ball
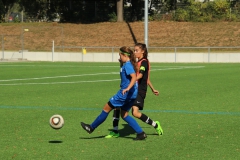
x: 56, y: 121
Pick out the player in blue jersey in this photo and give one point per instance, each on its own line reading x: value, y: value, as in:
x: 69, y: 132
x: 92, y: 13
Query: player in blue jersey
x: 143, y: 79
x: 124, y: 98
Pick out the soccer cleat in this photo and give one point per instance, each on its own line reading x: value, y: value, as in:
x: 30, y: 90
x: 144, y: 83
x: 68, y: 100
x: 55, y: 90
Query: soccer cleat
x: 159, y: 128
x: 112, y: 134
x: 87, y: 127
x: 140, y: 136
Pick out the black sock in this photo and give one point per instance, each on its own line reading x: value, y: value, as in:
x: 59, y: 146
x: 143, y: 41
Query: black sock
x: 146, y: 119
x: 116, y: 115
x: 156, y: 125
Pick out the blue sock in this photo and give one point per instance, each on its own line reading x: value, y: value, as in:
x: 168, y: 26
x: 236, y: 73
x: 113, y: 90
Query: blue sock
x: 99, y: 120
x: 133, y: 123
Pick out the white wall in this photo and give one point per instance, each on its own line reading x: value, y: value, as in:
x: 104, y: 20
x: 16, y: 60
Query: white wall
x: 113, y: 57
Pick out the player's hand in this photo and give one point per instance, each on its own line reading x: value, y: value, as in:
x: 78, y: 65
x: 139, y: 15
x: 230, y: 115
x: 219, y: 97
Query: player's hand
x: 124, y: 91
x: 156, y: 92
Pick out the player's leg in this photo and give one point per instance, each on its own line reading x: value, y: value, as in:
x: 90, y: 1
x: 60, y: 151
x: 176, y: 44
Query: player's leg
x: 133, y: 123
x: 136, y: 113
x: 156, y: 124
x: 138, y: 105
x: 116, y: 102
x: 99, y: 120
x: 116, y: 117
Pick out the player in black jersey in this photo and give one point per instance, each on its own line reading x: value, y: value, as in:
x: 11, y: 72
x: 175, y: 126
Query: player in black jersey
x: 143, y: 80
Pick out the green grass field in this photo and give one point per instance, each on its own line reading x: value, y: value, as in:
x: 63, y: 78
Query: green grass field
x: 198, y: 107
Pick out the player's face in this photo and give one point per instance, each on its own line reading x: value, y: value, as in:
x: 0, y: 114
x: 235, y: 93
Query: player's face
x: 138, y: 52
x: 123, y: 57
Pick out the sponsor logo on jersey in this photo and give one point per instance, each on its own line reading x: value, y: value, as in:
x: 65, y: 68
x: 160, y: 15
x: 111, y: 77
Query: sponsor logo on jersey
x: 142, y: 68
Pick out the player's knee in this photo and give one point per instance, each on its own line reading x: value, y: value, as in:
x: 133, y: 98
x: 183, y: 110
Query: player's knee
x: 135, y: 112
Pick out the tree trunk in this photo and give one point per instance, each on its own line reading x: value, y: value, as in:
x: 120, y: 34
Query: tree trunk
x: 119, y: 10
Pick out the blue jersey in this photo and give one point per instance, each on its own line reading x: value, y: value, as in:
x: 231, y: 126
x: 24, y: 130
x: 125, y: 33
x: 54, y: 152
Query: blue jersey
x: 125, y: 101
x: 125, y: 72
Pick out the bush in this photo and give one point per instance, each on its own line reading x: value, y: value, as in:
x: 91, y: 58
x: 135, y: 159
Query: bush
x: 16, y: 20
x: 204, y: 12
x: 112, y: 17
x: 181, y: 15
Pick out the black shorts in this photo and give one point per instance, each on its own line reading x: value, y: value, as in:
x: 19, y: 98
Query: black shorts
x: 139, y: 101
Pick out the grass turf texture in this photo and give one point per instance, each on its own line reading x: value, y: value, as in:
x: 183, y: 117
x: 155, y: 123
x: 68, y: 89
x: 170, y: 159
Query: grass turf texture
x: 198, y: 108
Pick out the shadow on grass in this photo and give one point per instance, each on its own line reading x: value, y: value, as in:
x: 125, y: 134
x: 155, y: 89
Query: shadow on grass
x: 91, y: 137
x: 132, y: 34
x: 125, y: 132
x: 54, y: 141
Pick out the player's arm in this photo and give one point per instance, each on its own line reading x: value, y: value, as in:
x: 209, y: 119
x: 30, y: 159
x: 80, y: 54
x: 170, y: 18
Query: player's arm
x: 132, y: 82
x: 156, y: 92
x: 139, y: 76
x: 142, y: 69
x: 121, y: 64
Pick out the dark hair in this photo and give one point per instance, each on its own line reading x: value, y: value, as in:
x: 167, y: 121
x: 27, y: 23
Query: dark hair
x: 129, y: 52
x: 144, y: 48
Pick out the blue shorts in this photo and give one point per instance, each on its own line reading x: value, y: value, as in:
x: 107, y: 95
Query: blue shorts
x: 125, y: 102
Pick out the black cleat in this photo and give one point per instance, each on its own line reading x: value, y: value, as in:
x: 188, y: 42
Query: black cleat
x: 87, y: 127
x: 140, y: 136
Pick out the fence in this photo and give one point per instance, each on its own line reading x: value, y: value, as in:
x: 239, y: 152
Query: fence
x: 12, y: 43
x: 156, y: 54
x: 16, y: 42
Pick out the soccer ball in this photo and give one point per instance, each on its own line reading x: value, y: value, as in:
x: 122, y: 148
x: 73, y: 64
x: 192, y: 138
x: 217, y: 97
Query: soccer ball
x: 56, y: 121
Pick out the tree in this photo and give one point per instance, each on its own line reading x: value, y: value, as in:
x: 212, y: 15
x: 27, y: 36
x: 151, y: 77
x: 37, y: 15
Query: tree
x: 120, y: 10
x: 5, y: 6
x: 80, y: 11
x: 2, y: 11
x: 37, y: 10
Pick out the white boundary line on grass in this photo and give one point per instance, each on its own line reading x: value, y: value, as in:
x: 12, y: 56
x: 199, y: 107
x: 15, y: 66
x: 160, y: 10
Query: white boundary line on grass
x: 67, y: 76
x: 176, y: 67
x: 9, y: 65
x: 14, y: 84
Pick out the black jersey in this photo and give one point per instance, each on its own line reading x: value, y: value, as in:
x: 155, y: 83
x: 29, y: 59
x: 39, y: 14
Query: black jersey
x: 143, y: 68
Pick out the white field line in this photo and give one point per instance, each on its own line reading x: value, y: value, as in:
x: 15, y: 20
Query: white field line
x: 176, y: 67
x: 8, y: 65
x: 67, y: 76
x: 14, y: 84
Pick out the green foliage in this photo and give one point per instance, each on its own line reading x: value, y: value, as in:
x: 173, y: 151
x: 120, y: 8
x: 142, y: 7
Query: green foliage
x: 2, y: 11
x: 150, y: 18
x: 234, y: 13
x: 16, y: 20
x: 203, y: 12
x: 181, y: 15
x: 112, y: 17
x: 194, y: 10
x: 103, y: 10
